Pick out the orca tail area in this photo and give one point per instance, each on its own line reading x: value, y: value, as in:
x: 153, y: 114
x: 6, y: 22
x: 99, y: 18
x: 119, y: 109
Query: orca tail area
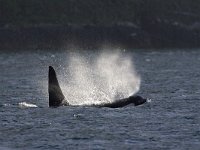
x: 56, y: 97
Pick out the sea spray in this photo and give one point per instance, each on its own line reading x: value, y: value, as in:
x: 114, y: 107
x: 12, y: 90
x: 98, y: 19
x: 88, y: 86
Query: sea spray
x: 104, y: 78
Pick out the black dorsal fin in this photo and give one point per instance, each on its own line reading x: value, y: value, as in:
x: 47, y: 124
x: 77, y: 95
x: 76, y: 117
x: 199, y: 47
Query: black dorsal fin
x: 56, y: 96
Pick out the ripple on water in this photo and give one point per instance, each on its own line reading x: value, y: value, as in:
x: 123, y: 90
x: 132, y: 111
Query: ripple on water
x: 170, y: 121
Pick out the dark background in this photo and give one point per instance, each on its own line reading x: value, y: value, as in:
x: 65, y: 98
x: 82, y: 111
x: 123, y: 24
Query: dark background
x: 89, y: 24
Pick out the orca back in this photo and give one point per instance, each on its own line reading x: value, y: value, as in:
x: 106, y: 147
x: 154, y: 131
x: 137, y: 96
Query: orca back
x: 137, y: 100
x: 56, y: 96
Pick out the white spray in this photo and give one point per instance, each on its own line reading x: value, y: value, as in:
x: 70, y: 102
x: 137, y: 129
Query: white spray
x: 105, y: 78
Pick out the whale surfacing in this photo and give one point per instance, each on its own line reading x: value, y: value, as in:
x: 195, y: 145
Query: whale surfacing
x: 56, y: 97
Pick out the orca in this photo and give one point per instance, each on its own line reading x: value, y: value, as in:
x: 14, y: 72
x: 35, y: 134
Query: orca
x: 56, y: 97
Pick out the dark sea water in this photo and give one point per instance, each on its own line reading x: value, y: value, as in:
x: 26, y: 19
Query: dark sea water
x: 171, y: 120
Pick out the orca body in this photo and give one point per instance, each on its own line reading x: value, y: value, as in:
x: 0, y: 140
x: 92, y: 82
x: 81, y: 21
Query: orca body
x: 56, y: 97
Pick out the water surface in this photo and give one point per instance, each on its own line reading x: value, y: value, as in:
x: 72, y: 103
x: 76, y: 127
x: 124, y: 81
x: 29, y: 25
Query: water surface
x: 170, y: 121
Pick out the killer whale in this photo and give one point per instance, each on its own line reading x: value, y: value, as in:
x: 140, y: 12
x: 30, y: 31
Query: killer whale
x: 56, y: 97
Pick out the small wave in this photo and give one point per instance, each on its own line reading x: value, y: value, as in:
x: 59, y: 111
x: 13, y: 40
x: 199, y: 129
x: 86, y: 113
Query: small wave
x: 149, y: 100
x: 6, y: 105
x: 5, y: 148
x: 25, y: 105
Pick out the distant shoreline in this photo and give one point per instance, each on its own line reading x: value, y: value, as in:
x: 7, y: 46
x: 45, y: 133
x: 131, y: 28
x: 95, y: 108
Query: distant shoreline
x: 55, y: 37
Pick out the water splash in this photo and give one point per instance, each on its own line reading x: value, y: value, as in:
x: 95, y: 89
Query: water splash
x: 105, y: 78
x: 26, y: 105
x: 149, y: 100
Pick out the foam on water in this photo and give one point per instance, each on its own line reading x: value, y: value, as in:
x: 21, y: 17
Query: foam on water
x: 149, y: 100
x: 26, y: 105
x: 105, y: 78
